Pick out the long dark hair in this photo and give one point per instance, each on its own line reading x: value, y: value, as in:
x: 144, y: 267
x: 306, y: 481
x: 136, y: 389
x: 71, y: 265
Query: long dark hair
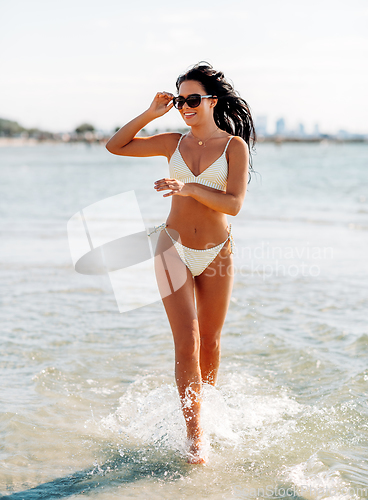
x: 231, y: 112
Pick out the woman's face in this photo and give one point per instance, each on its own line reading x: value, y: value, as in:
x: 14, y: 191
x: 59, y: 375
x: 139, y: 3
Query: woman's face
x: 194, y: 116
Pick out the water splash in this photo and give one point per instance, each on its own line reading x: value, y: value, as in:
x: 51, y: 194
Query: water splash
x: 237, y: 415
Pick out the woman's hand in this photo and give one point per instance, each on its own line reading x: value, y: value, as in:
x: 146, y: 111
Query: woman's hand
x: 161, y: 104
x: 176, y: 187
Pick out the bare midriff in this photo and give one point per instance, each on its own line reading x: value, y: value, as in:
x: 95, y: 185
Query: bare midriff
x: 198, y: 226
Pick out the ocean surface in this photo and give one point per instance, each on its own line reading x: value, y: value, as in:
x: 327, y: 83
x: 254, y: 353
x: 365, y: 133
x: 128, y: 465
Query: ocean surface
x: 88, y: 403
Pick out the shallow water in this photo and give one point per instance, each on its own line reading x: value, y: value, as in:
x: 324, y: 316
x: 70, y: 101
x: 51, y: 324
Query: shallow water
x: 88, y: 405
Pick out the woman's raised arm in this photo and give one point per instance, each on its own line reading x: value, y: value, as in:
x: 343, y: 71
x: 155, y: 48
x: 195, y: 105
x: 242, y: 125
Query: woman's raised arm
x: 125, y: 143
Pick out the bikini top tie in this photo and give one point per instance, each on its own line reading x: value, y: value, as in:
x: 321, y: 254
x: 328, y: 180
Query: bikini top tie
x: 214, y: 176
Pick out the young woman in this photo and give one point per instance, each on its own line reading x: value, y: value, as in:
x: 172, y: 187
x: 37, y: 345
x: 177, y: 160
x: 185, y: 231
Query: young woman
x: 208, y: 176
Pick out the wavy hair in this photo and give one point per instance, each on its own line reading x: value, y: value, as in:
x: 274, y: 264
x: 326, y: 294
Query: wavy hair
x: 231, y: 112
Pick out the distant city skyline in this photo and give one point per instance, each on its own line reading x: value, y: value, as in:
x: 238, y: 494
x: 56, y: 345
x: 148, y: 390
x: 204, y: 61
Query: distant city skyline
x: 79, y: 61
x: 11, y: 133
x: 263, y: 128
x: 282, y: 127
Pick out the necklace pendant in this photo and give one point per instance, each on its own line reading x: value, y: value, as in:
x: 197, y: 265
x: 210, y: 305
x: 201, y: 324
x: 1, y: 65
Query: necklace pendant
x: 200, y: 143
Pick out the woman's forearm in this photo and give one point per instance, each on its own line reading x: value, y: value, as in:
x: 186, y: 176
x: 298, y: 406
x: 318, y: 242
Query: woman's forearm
x: 221, y: 202
x: 124, y: 135
x: 161, y: 104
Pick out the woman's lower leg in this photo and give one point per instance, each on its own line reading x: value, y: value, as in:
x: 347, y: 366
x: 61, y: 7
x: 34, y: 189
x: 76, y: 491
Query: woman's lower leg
x: 209, y: 360
x: 189, y: 383
x: 190, y: 397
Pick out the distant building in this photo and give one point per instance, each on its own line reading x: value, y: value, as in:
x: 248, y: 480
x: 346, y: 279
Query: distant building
x: 343, y: 134
x: 280, y: 127
x: 301, y: 130
x: 261, y: 125
x: 316, y: 131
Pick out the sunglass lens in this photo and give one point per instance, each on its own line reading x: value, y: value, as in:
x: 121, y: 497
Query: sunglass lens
x: 179, y: 102
x: 194, y: 100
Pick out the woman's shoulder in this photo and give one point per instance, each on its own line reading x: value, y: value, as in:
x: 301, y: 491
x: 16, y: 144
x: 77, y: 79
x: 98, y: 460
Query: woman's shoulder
x: 170, y: 138
x: 236, y: 139
x: 237, y: 147
x: 235, y: 142
x: 171, y: 141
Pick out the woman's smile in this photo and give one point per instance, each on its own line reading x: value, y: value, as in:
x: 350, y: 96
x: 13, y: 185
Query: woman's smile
x: 189, y: 114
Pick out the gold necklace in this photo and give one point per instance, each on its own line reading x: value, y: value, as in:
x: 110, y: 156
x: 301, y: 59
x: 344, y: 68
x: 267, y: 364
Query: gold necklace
x: 203, y: 143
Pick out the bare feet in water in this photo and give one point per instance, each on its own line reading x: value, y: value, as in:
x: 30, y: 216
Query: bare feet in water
x: 196, y: 454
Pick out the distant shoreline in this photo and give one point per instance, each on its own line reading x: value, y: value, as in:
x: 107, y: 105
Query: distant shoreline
x: 25, y: 141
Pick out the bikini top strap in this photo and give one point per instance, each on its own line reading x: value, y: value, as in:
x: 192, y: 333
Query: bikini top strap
x: 227, y: 144
x: 179, y: 141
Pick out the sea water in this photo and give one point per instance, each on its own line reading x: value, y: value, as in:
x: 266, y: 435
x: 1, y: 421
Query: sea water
x: 88, y: 403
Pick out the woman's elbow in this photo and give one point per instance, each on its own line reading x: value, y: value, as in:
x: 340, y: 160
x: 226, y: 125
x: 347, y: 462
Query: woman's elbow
x: 234, y: 211
x: 235, y: 207
x: 113, y: 149
x: 110, y: 147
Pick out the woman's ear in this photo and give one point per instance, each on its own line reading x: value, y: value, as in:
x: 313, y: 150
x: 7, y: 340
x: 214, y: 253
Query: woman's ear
x: 214, y: 101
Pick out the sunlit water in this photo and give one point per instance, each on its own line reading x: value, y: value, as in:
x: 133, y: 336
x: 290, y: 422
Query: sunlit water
x: 88, y: 401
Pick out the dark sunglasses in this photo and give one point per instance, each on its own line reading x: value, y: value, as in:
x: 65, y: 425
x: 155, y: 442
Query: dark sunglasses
x: 193, y: 100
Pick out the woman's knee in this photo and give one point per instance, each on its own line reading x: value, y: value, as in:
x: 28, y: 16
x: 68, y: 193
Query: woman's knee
x: 210, y: 343
x: 187, y: 345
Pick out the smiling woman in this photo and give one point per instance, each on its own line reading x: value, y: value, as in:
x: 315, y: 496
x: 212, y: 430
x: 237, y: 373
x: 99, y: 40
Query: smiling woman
x: 209, y: 169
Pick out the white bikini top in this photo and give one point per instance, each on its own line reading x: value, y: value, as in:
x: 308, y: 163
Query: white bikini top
x: 214, y: 176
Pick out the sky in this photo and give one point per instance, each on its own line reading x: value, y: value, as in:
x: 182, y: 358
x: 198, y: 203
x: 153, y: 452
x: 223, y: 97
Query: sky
x: 102, y: 62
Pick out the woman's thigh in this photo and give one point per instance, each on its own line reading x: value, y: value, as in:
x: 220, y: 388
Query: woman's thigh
x: 176, y: 286
x: 213, y: 291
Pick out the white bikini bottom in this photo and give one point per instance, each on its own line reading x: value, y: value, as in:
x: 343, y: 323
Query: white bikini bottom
x: 196, y: 260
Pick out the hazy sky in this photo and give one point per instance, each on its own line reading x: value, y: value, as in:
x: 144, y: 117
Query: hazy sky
x: 63, y: 63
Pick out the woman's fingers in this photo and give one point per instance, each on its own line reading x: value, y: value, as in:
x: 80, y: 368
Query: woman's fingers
x: 164, y: 98
x: 166, y: 187
x: 166, y: 179
x: 162, y: 103
x: 166, y: 95
x: 173, y: 184
x: 164, y: 182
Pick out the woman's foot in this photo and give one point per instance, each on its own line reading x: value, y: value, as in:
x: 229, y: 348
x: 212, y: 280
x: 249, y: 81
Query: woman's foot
x: 196, y: 454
